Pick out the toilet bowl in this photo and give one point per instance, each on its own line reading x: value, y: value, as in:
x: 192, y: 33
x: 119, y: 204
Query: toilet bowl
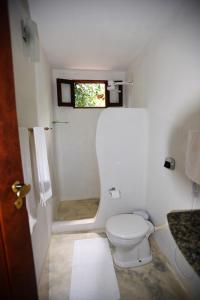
x: 129, y: 233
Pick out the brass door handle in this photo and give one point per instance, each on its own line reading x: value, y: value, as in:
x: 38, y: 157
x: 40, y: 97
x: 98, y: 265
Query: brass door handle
x: 21, y: 190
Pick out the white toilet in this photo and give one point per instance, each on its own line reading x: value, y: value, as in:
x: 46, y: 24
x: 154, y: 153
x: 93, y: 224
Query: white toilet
x: 129, y: 234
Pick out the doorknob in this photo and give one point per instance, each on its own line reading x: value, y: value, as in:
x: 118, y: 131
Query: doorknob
x: 21, y: 190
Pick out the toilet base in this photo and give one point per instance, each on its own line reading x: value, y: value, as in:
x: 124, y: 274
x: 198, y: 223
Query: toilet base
x: 131, y: 264
x: 137, y: 255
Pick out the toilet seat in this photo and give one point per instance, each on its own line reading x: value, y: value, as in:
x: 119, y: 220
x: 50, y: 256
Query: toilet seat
x: 127, y: 226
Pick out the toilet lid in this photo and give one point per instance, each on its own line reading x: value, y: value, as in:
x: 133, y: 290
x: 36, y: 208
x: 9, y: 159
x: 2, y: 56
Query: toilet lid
x: 127, y: 226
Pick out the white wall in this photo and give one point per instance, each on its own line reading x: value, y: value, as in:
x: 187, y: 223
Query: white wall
x: 43, y: 90
x: 122, y: 159
x: 33, y: 99
x: 167, y: 82
x: 76, y: 164
x: 43, y: 77
x: 42, y: 233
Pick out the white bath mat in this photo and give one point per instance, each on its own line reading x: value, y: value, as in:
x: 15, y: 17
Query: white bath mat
x: 93, y: 274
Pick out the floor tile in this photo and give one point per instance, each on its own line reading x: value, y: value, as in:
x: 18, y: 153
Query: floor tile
x: 77, y: 209
x: 153, y: 281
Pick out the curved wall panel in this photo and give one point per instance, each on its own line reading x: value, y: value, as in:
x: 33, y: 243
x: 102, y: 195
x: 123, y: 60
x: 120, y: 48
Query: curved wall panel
x: 121, y: 145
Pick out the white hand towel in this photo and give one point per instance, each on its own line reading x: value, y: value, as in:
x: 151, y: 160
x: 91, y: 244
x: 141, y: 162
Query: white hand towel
x: 44, y: 179
x: 192, y: 162
x: 28, y: 179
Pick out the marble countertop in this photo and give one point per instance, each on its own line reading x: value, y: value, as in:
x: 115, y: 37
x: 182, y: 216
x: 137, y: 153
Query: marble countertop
x: 185, y: 228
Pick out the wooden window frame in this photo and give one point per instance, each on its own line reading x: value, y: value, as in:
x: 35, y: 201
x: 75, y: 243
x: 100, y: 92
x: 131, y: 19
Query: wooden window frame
x: 59, y: 83
x: 120, y: 103
x: 71, y: 82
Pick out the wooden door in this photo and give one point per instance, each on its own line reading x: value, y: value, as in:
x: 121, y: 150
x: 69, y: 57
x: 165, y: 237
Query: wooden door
x: 17, y: 275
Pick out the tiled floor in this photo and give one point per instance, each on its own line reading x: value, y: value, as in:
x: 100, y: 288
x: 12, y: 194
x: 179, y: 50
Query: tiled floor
x: 77, y: 209
x: 153, y: 281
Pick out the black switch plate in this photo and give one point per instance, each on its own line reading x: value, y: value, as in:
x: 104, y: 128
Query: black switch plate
x: 167, y: 164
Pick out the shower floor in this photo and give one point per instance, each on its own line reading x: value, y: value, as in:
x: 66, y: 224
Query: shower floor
x: 77, y: 209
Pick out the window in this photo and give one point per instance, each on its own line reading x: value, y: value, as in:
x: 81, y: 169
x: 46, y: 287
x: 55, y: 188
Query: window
x: 90, y: 93
x: 87, y: 94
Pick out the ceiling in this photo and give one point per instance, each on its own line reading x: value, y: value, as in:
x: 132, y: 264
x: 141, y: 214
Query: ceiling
x: 99, y: 34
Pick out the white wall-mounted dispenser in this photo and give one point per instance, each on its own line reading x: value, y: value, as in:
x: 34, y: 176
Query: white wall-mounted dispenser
x: 192, y: 160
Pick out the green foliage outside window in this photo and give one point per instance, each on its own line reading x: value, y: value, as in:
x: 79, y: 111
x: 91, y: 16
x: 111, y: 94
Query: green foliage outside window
x: 89, y: 94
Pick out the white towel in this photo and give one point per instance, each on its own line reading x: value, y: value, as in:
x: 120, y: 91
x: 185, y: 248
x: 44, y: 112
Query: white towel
x: 44, y: 179
x: 28, y: 179
x: 192, y: 162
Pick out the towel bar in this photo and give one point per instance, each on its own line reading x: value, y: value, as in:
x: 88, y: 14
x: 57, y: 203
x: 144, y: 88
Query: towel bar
x: 45, y: 128
x: 60, y: 122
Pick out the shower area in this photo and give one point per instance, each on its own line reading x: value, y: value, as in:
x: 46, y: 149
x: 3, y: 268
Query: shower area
x: 76, y: 172
x: 76, y: 169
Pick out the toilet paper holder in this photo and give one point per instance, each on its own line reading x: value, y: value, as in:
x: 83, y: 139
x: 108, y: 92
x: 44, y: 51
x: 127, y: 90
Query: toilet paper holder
x: 114, y: 193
